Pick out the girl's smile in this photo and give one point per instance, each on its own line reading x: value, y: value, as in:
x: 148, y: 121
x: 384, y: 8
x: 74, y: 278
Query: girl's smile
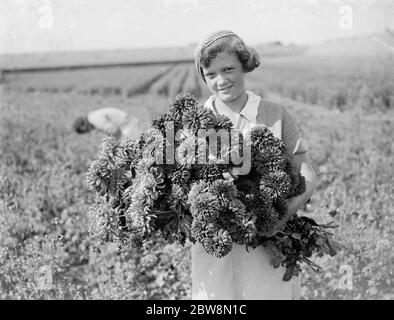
x: 226, y: 89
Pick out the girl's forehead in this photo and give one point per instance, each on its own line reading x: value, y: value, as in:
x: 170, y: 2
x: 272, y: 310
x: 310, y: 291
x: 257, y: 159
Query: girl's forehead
x: 224, y: 58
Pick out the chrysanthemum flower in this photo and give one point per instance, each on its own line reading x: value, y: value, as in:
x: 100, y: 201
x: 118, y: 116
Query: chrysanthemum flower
x: 178, y: 198
x: 219, y: 244
x: 256, y: 200
x: 102, y: 220
x: 198, y: 117
x: 138, y: 226
x: 246, y: 230
x: 97, y: 177
x: 266, y: 220
x: 197, y: 188
x: 205, y: 205
x: 275, y: 184
x: 223, y: 189
x: 223, y: 122
x: 201, y: 229
x: 163, y: 123
x: 130, y: 153
x: 181, y: 103
x: 261, y: 137
x: 180, y: 176
x: 268, y: 159
x: 109, y: 150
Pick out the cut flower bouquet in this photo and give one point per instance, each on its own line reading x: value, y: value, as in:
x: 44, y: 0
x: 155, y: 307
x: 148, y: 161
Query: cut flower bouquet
x: 171, y: 183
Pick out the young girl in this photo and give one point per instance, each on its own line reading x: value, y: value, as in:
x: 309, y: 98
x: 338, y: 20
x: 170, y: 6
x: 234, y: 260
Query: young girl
x: 222, y: 61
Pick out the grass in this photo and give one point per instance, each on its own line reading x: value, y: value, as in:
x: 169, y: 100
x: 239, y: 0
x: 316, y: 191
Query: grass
x: 44, y: 198
x: 336, y: 82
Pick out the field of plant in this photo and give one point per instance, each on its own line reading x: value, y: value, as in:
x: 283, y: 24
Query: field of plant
x: 337, y: 82
x: 44, y: 198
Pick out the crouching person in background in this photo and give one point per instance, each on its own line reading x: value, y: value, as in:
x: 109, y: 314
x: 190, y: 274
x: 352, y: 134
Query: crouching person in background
x: 111, y: 121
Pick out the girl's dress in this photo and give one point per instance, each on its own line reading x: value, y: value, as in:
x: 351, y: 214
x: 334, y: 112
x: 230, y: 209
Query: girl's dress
x: 242, y: 274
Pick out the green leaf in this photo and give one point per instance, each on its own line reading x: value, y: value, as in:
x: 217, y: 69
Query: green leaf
x: 332, y: 248
x: 289, y: 273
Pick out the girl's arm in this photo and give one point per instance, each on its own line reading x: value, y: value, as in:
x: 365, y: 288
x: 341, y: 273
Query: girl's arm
x: 302, y: 163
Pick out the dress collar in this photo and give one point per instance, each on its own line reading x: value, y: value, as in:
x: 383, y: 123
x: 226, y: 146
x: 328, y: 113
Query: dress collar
x: 250, y: 109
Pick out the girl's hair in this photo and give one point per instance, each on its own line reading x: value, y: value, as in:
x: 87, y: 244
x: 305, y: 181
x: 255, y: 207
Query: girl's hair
x: 248, y: 57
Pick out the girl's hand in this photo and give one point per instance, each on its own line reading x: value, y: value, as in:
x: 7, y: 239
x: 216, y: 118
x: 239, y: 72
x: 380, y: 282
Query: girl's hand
x: 275, y: 230
x: 293, y: 204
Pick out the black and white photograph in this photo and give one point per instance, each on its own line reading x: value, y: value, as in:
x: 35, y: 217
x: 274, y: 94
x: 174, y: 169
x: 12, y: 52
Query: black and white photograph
x: 197, y: 150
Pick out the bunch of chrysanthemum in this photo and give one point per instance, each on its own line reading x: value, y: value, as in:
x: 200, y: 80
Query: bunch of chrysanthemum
x: 143, y: 184
x: 149, y: 197
x: 163, y: 184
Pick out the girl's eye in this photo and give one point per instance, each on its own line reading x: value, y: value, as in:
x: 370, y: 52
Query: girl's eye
x: 228, y: 70
x: 210, y: 75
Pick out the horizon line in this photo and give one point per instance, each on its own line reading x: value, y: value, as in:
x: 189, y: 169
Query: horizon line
x: 150, y: 47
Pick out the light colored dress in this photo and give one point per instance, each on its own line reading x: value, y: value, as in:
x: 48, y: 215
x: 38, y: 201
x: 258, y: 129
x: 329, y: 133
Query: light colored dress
x: 241, y: 274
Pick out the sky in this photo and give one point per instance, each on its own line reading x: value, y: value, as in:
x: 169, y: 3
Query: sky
x: 28, y: 26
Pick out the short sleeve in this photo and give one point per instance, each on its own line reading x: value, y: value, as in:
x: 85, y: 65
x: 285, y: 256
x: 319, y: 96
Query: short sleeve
x: 291, y: 135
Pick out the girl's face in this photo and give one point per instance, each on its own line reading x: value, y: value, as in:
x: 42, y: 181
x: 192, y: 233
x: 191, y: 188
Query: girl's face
x: 225, y: 77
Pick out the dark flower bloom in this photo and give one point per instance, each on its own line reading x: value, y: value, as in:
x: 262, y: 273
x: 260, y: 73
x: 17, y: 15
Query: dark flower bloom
x: 261, y: 137
x: 223, y: 122
x: 205, y: 205
x: 245, y: 223
x: 180, y: 176
x: 197, y: 117
x: 162, y: 123
x: 268, y: 160
x: 181, y: 103
x: 275, y: 184
x: 266, y: 219
x: 218, y: 244
x: 200, y: 229
x: 223, y: 189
